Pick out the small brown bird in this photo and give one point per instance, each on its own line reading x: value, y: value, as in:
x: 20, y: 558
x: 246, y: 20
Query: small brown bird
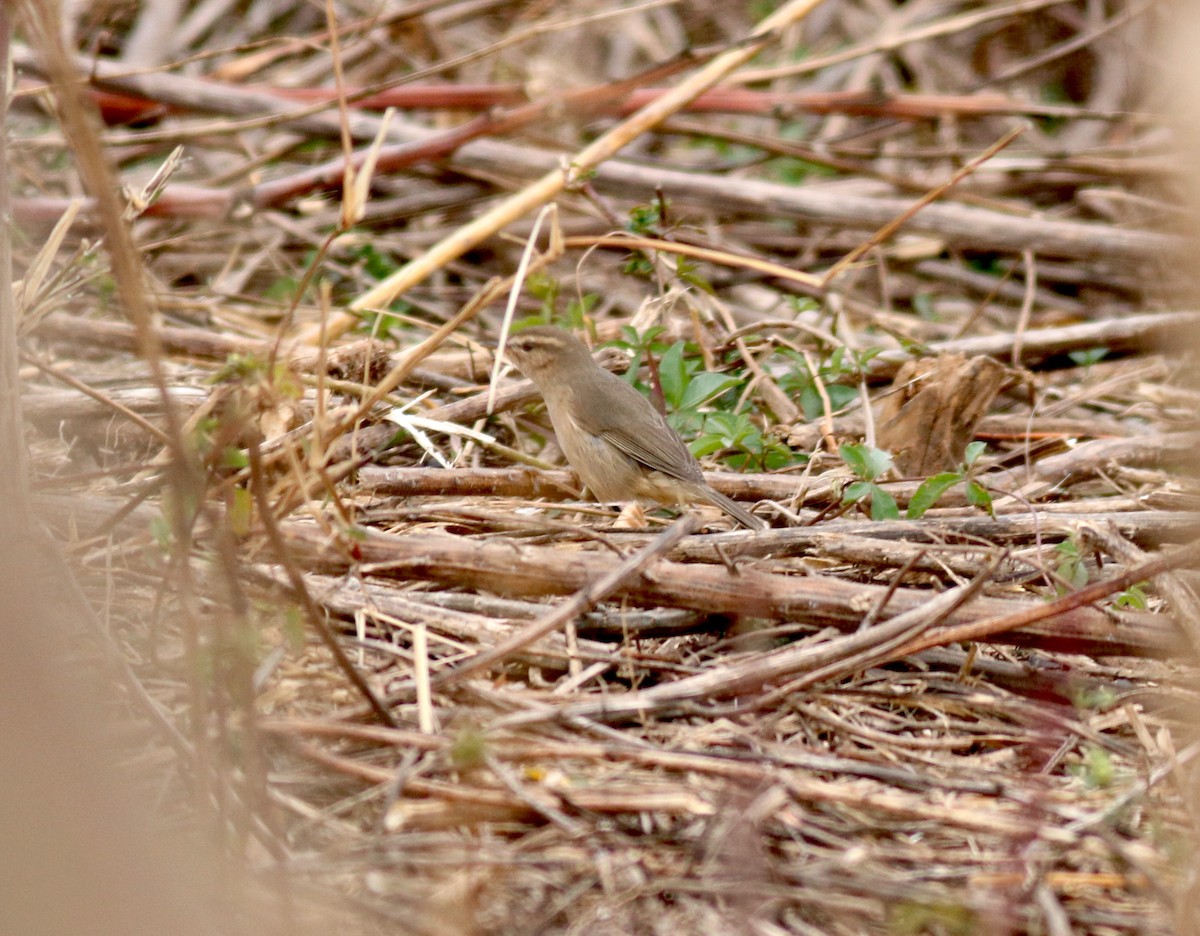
x: 617, y: 442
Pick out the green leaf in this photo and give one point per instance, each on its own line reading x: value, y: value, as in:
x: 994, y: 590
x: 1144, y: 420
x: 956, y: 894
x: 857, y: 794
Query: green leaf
x: 1075, y: 573
x: 632, y: 341
x: 866, y: 462
x: 855, y: 457
x: 733, y: 427
x: 672, y: 373
x: 1098, y: 768
x: 707, y: 444
x: 704, y: 386
x: 629, y: 340
x: 978, y: 496
x: 883, y: 505
x: 811, y: 403
x: 856, y: 491
x: 375, y: 264
x: 928, y: 493
x: 293, y: 628
x: 1133, y: 597
x: 878, y: 462
x: 643, y: 219
x: 234, y: 457
x: 974, y: 450
x: 160, y: 529
x: 865, y: 357
x: 577, y: 309
x: 800, y: 304
x: 923, y: 306
x: 469, y: 749
x: 840, y: 395
x: 241, y: 512
x: 814, y: 406
x: 541, y: 286
x: 686, y: 422
x: 912, y: 917
x: 778, y: 457
x: 282, y: 290
x: 914, y: 347
x: 1089, y: 357
x: 692, y: 278
x: 527, y: 321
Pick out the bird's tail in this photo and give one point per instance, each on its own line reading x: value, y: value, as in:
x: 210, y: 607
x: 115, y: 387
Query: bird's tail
x: 735, y: 510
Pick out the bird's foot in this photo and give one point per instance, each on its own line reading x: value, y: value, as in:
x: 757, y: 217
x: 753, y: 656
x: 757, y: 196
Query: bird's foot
x: 632, y: 517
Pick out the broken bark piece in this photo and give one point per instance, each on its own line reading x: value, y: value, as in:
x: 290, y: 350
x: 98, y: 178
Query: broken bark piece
x: 933, y: 410
x: 366, y: 361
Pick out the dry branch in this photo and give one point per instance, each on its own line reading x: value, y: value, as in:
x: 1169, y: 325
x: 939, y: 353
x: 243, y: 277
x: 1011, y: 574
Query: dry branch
x: 955, y: 225
x: 743, y: 732
x: 511, y: 569
x: 631, y: 569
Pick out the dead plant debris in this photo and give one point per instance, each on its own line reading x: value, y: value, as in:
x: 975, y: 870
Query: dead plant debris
x: 971, y: 711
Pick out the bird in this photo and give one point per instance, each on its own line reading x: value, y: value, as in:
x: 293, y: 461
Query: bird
x: 618, y: 443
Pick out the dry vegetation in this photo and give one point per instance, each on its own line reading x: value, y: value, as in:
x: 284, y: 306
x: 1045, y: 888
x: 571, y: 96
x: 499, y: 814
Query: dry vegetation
x: 413, y: 670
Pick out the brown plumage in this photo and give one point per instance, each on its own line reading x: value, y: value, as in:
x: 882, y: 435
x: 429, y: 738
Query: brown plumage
x: 618, y: 443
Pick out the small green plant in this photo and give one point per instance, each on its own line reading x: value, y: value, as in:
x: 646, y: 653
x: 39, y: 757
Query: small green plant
x: 578, y: 310
x: 684, y: 385
x: 160, y: 529
x: 287, y: 288
x: 869, y: 465
x: 1089, y: 357
x: 702, y: 405
x: 916, y: 918
x: 545, y: 289
x: 744, y: 445
x: 924, y: 306
x: 548, y: 291
x: 251, y: 370
x: 933, y: 488
x: 1133, y: 597
x: 376, y: 265
x: 384, y: 323
x: 838, y: 374
x: 1097, y: 770
x: 292, y: 625
x: 239, y: 367
x: 993, y: 264
x: 1071, y: 568
x: 641, y: 346
x: 685, y: 270
x: 178, y: 510
x: 469, y: 749
x: 1054, y: 92
x: 283, y: 290
x: 239, y: 513
x: 795, y: 170
x: 644, y: 220
x: 1095, y: 698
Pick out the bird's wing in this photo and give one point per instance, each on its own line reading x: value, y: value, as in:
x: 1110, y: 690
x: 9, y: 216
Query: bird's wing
x: 655, y: 444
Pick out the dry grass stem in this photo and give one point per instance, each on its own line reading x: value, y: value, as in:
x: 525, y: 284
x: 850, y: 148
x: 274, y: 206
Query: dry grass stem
x: 368, y: 633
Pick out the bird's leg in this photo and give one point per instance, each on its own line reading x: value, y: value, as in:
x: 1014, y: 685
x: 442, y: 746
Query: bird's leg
x: 632, y: 517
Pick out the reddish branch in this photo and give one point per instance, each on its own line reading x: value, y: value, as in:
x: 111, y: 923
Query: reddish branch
x: 117, y: 108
